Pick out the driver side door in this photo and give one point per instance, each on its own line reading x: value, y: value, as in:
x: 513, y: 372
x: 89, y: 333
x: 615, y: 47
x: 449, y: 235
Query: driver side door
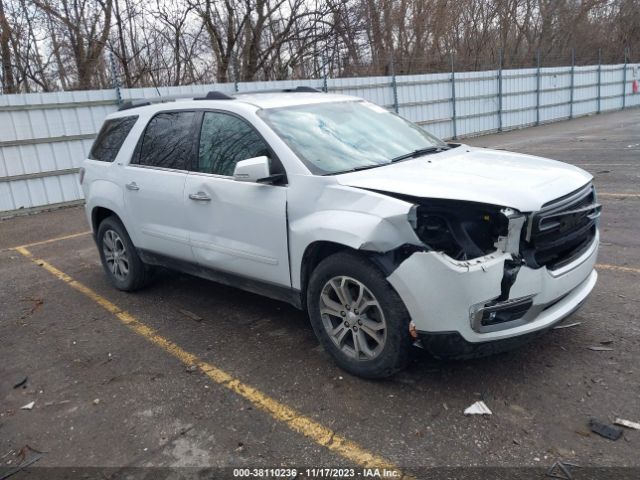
x: 235, y: 227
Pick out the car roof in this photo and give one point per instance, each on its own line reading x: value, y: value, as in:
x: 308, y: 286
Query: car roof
x: 250, y: 100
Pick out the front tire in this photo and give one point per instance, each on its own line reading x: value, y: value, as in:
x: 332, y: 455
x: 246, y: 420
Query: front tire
x: 358, y: 317
x: 119, y: 257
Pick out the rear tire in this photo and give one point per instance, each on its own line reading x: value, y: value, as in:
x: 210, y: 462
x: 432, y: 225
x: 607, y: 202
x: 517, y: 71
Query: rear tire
x: 358, y: 317
x: 119, y: 257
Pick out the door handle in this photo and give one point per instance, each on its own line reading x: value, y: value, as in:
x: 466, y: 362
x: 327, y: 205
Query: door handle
x: 132, y: 186
x: 200, y: 197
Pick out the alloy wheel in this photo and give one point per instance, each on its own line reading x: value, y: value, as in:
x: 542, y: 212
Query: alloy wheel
x: 115, y: 255
x: 353, y: 318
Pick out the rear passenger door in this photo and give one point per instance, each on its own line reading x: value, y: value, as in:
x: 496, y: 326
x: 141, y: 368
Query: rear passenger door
x: 154, y: 183
x: 236, y: 227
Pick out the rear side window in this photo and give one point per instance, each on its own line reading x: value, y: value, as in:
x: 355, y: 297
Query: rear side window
x: 224, y: 141
x: 168, y: 141
x: 111, y: 137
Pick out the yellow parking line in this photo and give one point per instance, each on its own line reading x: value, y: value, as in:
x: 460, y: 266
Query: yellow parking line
x: 621, y: 195
x: 51, y: 240
x: 293, y: 419
x: 619, y: 268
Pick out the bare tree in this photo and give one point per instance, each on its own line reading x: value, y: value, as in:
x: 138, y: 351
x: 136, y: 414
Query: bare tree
x: 8, y: 81
x: 223, y: 23
x: 85, y: 26
x: 49, y: 44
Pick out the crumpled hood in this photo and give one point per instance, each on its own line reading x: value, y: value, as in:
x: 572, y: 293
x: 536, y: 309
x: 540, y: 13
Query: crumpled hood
x: 496, y: 177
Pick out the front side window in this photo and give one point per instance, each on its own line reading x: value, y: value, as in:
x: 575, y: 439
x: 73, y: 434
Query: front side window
x: 111, y: 137
x: 168, y: 141
x: 342, y: 136
x: 224, y: 141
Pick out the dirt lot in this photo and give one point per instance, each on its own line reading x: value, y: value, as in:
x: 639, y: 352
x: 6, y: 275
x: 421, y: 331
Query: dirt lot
x: 110, y: 372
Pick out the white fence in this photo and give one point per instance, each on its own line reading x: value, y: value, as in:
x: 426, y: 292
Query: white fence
x: 44, y: 137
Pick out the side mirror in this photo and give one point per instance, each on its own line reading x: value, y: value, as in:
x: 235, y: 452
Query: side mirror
x: 252, y: 169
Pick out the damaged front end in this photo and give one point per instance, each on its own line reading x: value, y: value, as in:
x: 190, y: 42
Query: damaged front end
x: 471, y: 282
x: 466, y: 232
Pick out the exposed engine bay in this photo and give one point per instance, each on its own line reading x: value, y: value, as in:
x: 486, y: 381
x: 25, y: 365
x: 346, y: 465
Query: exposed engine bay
x: 462, y: 230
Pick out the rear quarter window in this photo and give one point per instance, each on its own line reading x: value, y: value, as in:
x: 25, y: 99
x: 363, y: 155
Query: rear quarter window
x: 111, y: 137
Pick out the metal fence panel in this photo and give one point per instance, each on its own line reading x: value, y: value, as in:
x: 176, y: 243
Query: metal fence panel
x: 46, y: 136
x: 426, y: 100
x: 375, y: 89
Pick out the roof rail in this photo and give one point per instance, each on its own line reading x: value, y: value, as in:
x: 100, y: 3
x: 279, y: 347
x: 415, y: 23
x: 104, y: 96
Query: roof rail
x: 299, y: 89
x: 302, y: 89
x: 133, y: 104
x: 212, y: 95
x: 143, y: 102
x: 215, y: 95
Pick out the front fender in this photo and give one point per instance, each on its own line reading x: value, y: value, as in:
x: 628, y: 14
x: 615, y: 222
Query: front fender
x: 356, y: 230
x: 356, y: 218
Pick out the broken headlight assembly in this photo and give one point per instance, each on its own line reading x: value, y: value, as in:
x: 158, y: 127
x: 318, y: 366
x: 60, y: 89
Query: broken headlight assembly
x: 466, y: 230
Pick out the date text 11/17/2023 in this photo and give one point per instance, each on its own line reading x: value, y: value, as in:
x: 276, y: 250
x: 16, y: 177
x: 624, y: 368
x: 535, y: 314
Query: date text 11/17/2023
x: 316, y: 472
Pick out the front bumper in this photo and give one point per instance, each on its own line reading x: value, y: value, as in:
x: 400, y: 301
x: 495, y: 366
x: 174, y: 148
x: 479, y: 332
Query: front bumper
x: 442, y: 295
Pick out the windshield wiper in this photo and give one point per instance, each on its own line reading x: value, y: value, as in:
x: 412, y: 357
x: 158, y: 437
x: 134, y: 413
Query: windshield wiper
x: 419, y: 153
x: 357, y: 169
x: 414, y: 154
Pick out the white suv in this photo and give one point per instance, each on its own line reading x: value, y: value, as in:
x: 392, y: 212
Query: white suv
x: 386, y: 235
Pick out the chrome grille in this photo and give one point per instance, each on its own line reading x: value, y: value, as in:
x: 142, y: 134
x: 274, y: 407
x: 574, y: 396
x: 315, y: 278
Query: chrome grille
x: 562, y: 230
